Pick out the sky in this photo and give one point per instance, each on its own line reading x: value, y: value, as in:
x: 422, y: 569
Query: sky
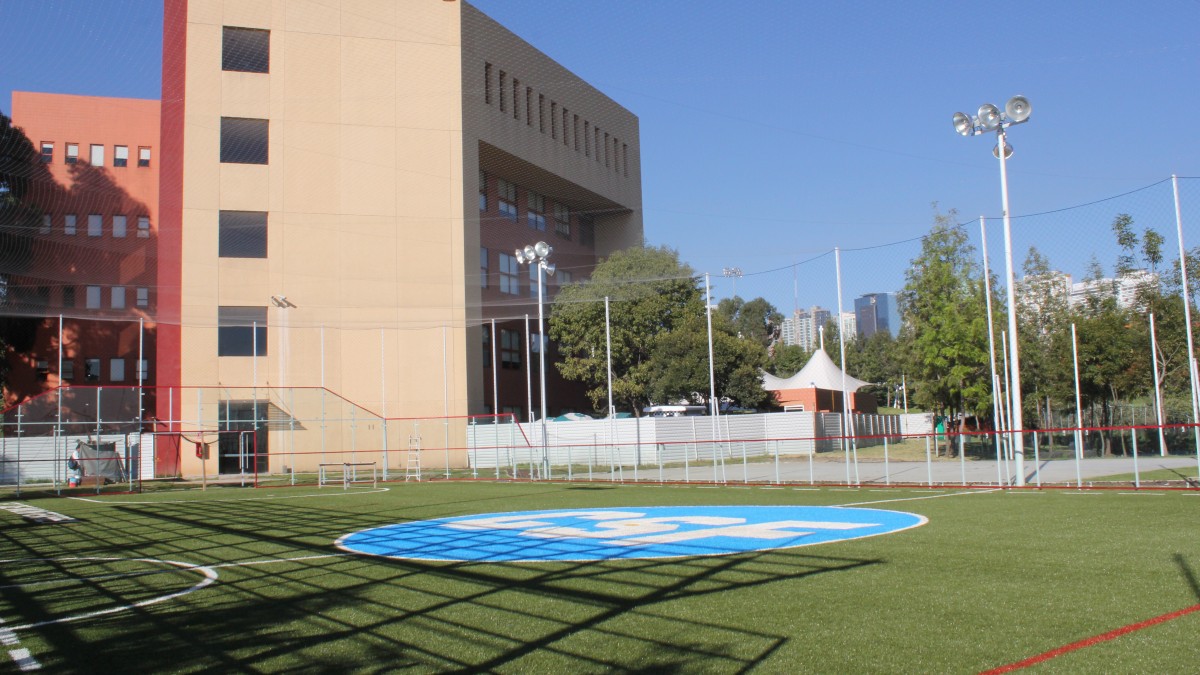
x: 774, y: 131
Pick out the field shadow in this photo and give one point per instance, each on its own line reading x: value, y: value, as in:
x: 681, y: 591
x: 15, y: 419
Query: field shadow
x: 339, y: 612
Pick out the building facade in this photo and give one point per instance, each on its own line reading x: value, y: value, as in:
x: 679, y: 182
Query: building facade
x: 343, y: 187
x: 875, y: 312
x: 87, y: 279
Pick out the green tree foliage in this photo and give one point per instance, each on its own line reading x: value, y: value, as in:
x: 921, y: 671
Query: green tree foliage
x: 755, y: 320
x: 679, y: 368
x: 945, y: 324
x: 788, y: 360
x: 22, y: 175
x: 1043, y: 318
x: 651, y: 294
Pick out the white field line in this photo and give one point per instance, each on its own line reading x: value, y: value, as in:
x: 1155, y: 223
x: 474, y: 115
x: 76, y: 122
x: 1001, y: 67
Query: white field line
x: 24, y: 659
x: 913, y: 499
x: 113, y: 502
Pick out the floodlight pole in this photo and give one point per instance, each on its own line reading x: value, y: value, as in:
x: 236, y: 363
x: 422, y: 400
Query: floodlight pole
x: 1014, y: 386
x: 537, y: 255
x: 990, y: 118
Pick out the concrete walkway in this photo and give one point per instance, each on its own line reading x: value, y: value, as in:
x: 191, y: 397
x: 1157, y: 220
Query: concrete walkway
x: 826, y: 469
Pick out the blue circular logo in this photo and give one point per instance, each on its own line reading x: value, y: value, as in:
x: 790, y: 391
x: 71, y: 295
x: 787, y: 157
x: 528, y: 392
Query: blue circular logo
x: 623, y: 533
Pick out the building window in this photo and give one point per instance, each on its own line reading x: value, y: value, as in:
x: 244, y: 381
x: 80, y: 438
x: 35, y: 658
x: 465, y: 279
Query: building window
x: 120, y: 155
x: 241, y: 331
x: 483, y: 267
x: 587, y: 232
x: 529, y: 106
x: 487, y: 83
x: 508, y: 199
x: 72, y: 155
x: 116, y: 370
x: 246, y: 50
x: 564, y: 277
x: 539, y: 342
x: 562, y: 220
x: 43, y: 369
x: 118, y: 297
x: 95, y: 225
x: 510, y: 283
x: 553, y: 120
x: 69, y: 222
x: 93, y: 297
x: 566, y: 120
x: 606, y: 149
x: 533, y: 280
x: 68, y: 371
x: 244, y: 140
x: 625, y: 159
x: 536, y: 211
x: 599, y: 151
x: 587, y: 138
x: 97, y: 156
x: 242, y: 234
x: 68, y: 296
x: 46, y: 221
x: 503, y: 86
x: 542, y: 113
x: 143, y: 370
x: 482, y: 190
x: 510, y: 349
x: 118, y: 226
x: 143, y: 297
x: 47, y: 152
x: 143, y: 157
x: 516, y: 98
x: 91, y: 369
x: 143, y: 227
x: 487, y: 346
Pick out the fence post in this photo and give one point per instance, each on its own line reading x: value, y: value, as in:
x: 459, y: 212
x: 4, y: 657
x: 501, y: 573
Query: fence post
x: 1037, y: 462
x: 1137, y: 480
x: 887, y: 472
x: 18, y: 451
x: 928, y: 463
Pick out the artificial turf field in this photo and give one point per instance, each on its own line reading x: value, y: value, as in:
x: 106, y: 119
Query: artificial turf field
x: 993, y: 578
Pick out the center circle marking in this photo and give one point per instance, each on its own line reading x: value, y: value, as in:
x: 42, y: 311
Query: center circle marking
x: 581, y: 535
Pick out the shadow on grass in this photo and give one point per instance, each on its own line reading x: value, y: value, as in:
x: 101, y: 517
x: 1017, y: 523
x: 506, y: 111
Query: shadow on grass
x: 347, y: 612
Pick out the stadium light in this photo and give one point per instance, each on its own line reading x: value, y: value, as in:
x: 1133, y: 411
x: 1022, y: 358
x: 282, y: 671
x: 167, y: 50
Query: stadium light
x: 989, y: 118
x: 537, y: 254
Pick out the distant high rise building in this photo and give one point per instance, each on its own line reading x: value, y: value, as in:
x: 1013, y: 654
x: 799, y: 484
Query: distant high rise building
x: 875, y: 312
x: 849, y: 324
x: 804, y: 327
x: 1125, y: 287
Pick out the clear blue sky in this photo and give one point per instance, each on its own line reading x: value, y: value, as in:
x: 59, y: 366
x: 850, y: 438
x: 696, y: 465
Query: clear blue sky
x: 773, y: 131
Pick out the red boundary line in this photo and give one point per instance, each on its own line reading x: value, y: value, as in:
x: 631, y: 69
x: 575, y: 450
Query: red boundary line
x: 1088, y: 642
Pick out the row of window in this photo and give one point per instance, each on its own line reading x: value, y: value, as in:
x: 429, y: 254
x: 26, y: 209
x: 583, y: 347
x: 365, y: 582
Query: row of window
x: 92, y: 370
x: 508, y: 276
x: 120, y: 156
x: 117, y: 296
x: 511, y: 347
x: 535, y: 209
x: 586, y: 137
x: 118, y: 225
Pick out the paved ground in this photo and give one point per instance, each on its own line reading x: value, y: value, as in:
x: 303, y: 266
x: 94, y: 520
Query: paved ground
x: 830, y: 470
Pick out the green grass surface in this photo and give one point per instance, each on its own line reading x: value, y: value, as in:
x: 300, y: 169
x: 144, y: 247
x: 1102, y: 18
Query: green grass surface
x: 993, y: 578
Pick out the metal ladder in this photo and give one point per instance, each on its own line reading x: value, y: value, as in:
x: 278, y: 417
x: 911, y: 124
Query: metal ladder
x: 412, y: 467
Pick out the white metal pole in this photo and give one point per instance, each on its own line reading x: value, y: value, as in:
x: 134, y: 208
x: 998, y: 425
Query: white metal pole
x: 1158, y: 400
x: 528, y: 371
x: 1015, y: 373
x: 445, y: 401
x: 58, y: 421
x: 383, y: 399
x: 712, y: 379
x: 987, y: 289
x: 1078, y: 409
x: 904, y: 389
x: 322, y: 360
x: 495, y: 376
x: 1187, y: 317
x: 608, y: 350
x: 541, y: 267
x: 837, y: 255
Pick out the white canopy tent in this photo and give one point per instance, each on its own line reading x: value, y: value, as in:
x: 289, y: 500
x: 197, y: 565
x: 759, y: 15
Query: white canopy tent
x: 819, y: 373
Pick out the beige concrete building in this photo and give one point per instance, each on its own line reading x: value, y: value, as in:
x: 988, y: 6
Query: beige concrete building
x: 323, y: 221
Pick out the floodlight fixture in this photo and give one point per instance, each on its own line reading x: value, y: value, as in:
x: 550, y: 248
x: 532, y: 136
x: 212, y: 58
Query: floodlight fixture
x: 542, y: 249
x: 1018, y: 109
x: 989, y: 117
x: 1008, y: 150
x: 963, y: 124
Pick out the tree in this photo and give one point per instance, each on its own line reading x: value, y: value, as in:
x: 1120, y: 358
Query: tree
x: 1043, y: 316
x: 679, y: 368
x: 22, y: 176
x: 945, y: 324
x: 788, y: 360
x: 651, y: 294
x: 756, y: 320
